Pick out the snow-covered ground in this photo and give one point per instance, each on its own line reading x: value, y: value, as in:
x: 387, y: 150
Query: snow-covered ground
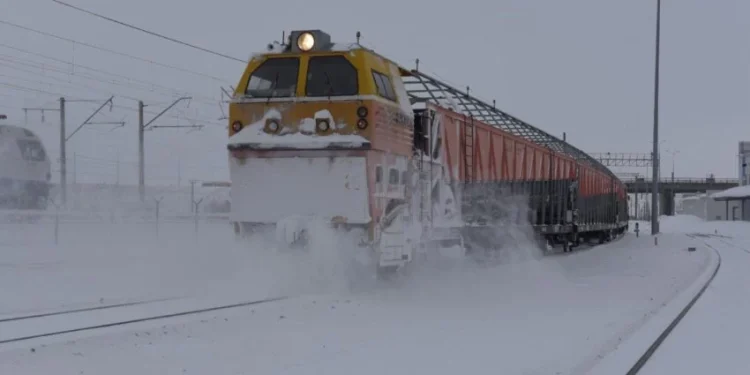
x: 559, y: 314
x: 714, y: 337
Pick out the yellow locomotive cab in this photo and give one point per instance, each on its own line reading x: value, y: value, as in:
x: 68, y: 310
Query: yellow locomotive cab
x: 312, y: 127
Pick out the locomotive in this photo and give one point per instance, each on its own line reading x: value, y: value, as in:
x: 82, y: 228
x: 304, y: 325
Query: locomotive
x: 25, y: 169
x: 342, y: 134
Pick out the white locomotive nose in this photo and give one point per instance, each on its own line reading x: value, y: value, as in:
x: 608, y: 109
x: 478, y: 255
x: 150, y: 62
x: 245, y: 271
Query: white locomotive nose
x: 24, y: 169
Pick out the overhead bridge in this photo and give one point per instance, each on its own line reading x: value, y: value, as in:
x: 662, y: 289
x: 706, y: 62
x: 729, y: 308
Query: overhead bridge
x: 668, y: 187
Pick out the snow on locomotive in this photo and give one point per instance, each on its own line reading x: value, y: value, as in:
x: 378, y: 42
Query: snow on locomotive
x: 24, y: 169
x: 340, y: 133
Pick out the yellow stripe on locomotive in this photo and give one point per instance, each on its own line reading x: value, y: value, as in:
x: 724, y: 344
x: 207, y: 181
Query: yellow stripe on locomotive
x: 313, y: 83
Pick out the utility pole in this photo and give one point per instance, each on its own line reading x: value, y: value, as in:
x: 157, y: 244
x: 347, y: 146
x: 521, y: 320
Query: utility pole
x: 192, y: 195
x: 63, y: 170
x: 655, y: 155
x: 141, y: 129
x: 141, y: 176
x: 75, y: 170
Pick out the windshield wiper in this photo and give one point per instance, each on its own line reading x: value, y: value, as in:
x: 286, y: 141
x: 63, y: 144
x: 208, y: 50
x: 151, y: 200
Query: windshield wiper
x: 273, y: 87
x: 329, y: 86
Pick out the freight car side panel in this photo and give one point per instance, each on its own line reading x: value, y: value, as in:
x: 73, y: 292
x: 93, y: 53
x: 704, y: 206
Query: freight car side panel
x: 482, y: 151
x: 452, y: 133
x: 486, y: 160
x: 498, y: 169
x: 521, y: 160
x: 538, y: 162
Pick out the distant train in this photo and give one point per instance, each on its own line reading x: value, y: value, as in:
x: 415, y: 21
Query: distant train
x: 25, y: 169
x: 340, y: 132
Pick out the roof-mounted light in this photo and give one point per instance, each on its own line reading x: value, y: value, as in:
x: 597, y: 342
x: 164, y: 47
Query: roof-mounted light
x: 305, y: 42
x: 309, y: 40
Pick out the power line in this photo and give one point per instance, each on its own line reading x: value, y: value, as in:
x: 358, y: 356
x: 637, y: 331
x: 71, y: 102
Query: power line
x: 151, y: 32
x: 113, y: 51
x: 24, y: 88
x: 83, y: 87
x: 75, y: 65
x: 29, y: 63
x: 66, y: 85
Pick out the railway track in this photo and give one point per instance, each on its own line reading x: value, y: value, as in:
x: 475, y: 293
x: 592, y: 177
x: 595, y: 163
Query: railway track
x: 663, y: 336
x: 23, y: 328
x: 84, y: 309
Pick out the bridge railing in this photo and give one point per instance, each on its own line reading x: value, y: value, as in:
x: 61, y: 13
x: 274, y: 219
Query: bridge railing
x: 682, y: 180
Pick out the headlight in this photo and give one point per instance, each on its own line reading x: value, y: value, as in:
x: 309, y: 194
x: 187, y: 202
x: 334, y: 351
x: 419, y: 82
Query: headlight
x: 236, y: 126
x: 272, y: 126
x: 362, y: 111
x: 305, y: 42
x: 323, y: 125
x: 362, y: 123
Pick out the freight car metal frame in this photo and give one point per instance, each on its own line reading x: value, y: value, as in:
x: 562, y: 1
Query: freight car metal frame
x: 588, y: 203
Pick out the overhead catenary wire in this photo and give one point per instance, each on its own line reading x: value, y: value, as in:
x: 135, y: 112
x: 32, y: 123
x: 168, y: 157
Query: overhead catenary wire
x: 114, y: 52
x: 66, y: 85
x: 24, y: 88
x: 79, y: 86
x: 108, y: 50
x: 27, y: 64
x: 152, y: 33
x: 147, y: 85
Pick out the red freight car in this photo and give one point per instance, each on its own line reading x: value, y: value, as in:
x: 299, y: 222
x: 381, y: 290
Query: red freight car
x: 499, y: 166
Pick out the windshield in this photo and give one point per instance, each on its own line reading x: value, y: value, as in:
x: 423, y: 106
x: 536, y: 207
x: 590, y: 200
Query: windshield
x: 276, y: 77
x: 331, y: 76
x: 31, y: 150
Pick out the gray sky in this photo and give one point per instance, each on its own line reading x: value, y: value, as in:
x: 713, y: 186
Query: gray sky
x: 584, y: 67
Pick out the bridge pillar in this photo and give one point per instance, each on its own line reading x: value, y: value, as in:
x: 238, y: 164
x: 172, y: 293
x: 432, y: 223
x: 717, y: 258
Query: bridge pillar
x: 666, y: 203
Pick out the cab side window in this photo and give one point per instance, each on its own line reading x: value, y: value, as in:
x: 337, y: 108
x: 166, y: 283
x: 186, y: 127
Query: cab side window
x: 331, y: 76
x: 274, y: 78
x: 384, y: 86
